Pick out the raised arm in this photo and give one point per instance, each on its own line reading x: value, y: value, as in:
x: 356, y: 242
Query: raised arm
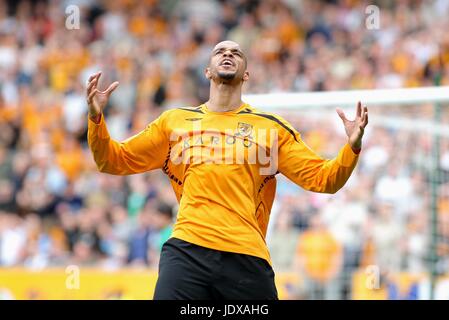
x: 144, y: 151
x: 307, y: 169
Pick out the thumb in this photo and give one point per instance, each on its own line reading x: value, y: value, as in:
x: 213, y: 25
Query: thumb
x: 111, y: 88
x: 341, y: 114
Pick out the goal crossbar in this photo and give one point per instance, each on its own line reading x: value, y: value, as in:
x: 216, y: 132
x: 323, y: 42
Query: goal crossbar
x: 296, y: 100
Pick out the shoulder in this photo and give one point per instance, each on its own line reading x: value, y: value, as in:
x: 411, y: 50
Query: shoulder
x: 176, y: 112
x: 274, y: 119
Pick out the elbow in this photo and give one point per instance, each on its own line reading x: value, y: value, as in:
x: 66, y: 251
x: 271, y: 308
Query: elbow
x: 333, y: 184
x: 333, y: 188
x: 328, y: 189
x: 102, y: 167
x: 333, y: 191
x: 324, y: 189
x: 110, y: 169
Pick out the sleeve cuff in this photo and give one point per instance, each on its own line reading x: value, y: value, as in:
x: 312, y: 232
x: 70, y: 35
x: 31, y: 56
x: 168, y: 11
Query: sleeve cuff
x: 98, y: 129
x: 347, y: 157
x: 356, y: 151
x: 96, y: 119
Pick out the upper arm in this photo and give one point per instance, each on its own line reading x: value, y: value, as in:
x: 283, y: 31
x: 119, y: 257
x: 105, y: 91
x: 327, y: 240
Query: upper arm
x: 148, y: 149
x: 142, y: 152
x: 298, y: 162
x: 306, y: 168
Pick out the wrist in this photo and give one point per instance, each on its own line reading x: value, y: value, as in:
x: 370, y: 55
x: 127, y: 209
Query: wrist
x: 355, y: 144
x: 356, y: 148
x: 95, y: 118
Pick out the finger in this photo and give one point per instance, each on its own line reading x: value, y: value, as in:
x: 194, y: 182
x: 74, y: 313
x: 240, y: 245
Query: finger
x: 91, y: 85
x: 111, y: 88
x: 92, y: 95
x: 95, y: 75
x: 362, y: 121
x: 365, y: 122
x: 98, y: 76
x: 341, y: 114
x: 92, y: 77
x: 93, y: 80
x: 359, y: 109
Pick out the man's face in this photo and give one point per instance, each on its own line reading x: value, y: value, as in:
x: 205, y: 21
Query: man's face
x: 227, y: 63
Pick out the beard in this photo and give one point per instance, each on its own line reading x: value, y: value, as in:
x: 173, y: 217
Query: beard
x: 226, y: 75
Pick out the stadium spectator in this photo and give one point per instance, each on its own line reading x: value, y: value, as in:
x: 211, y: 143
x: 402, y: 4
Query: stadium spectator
x: 283, y: 240
x: 319, y: 258
x: 163, y: 226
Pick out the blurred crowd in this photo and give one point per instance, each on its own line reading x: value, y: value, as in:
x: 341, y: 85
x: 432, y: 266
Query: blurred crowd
x: 56, y: 209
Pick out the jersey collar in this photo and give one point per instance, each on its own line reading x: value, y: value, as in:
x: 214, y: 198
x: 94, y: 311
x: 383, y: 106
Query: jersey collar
x: 206, y: 110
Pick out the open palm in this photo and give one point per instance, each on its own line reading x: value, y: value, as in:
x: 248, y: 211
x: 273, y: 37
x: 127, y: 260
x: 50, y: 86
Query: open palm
x: 97, y: 99
x: 355, y: 128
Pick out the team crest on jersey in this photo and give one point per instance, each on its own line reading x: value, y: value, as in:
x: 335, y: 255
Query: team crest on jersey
x: 244, y: 129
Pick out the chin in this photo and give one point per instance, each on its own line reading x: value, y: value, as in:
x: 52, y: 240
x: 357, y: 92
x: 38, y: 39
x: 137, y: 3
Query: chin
x: 226, y: 75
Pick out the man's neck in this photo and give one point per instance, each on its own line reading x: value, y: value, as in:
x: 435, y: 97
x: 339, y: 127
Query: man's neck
x: 224, y: 97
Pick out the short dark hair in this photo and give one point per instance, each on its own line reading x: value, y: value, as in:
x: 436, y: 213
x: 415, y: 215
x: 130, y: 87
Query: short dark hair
x: 165, y: 209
